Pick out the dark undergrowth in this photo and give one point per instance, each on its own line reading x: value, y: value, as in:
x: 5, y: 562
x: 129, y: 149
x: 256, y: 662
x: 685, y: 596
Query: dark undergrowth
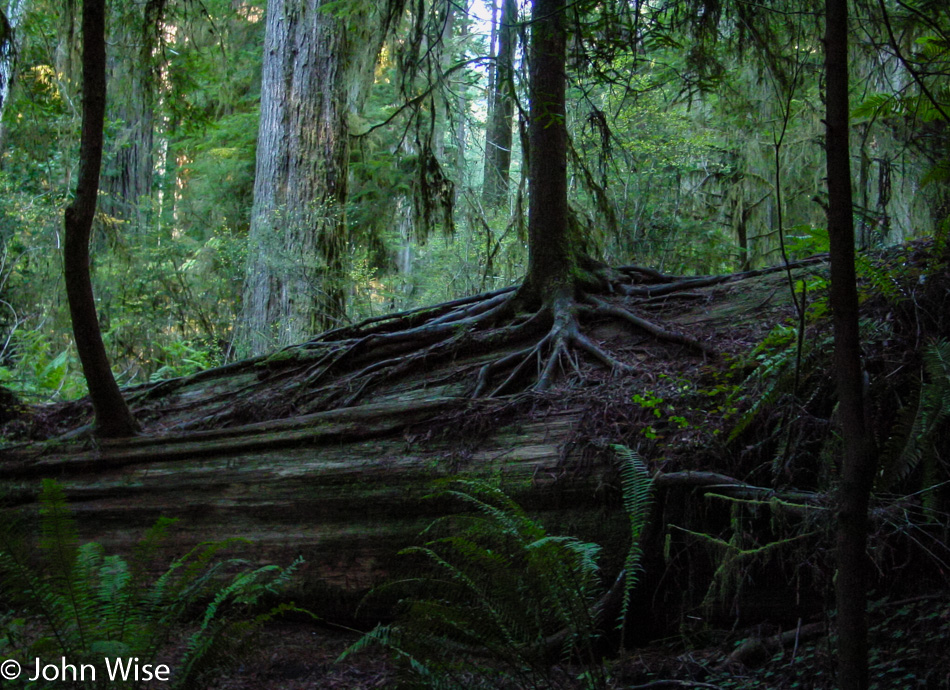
x: 737, y: 555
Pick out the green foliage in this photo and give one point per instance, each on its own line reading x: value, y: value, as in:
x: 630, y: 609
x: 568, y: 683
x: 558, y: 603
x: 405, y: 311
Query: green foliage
x: 36, y: 370
x: 500, y: 599
x: 637, y: 485
x: 806, y: 239
x: 774, y: 360
x: 672, y: 121
x: 921, y: 430
x: 79, y: 603
x: 887, y: 281
x: 664, y: 413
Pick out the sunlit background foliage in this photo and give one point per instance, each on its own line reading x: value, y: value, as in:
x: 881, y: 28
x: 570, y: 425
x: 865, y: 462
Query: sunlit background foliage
x: 696, y: 148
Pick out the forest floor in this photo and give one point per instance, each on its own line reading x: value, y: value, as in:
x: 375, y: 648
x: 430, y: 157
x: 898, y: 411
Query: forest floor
x: 908, y: 650
x: 732, y: 416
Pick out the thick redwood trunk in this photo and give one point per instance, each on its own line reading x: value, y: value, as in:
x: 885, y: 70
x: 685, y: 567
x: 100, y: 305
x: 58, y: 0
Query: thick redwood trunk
x: 112, y: 414
x: 134, y: 77
x: 315, y: 65
x: 300, y: 183
x: 857, y: 472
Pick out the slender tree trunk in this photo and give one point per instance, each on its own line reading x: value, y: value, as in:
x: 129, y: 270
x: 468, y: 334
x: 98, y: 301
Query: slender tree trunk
x: 461, y: 107
x: 552, y: 258
x: 859, y: 464
x: 498, y: 138
x: 315, y: 67
x: 443, y: 104
x: 112, y: 414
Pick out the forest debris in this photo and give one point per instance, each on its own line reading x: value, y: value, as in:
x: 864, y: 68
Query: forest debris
x: 730, y: 487
x: 757, y: 650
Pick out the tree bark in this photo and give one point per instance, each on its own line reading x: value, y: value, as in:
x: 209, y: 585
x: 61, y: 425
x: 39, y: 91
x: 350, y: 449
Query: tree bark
x: 10, y: 39
x: 857, y: 471
x: 315, y: 66
x: 551, y: 255
x: 112, y: 414
x: 498, y: 138
x: 130, y: 163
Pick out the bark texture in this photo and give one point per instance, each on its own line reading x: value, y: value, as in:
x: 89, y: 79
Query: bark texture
x: 551, y: 254
x: 498, y: 138
x: 130, y: 162
x: 858, y: 467
x: 112, y: 414
x: 315, y: 66
x: 11, y: 13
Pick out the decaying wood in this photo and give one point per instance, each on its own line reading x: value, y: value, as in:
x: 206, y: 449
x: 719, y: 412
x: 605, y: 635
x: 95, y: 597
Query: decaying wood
x: 265, y: 450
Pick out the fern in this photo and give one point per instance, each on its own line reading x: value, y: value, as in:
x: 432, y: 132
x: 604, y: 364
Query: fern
x: 637, y: 489
x: 496, y: 585
x: 95, y: 605
x: 771, y: 387
x: 877, y: 105
x: 221, y: 632
x: 774, y: 377
x: 68, y: 577
x: 886, y: 281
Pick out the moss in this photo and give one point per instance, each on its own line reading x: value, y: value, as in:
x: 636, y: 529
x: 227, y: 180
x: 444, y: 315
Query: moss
x: 285, y: 356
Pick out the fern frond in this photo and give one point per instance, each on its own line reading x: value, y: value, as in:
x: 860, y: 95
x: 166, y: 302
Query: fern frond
x: 778, y: 372
x: 885, y: 280
x: 114, y: 597
x: 98, y: 605
x: 391, y: 638
x: 876, y: 105
x: 25, y: 587
x: 59, y: 543
x: 637, y: 485
x: 916, y: 439
x: 217, y: 633
x: 496, y: 585
x: 59, y: 540
x: 479, y: 593
x: 494, y: 504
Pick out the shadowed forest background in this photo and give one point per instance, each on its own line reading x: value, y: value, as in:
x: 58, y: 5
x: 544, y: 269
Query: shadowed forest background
x: 654, y: 292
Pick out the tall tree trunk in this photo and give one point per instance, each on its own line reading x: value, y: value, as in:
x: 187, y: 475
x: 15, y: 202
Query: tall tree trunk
x: 134, y: 77
x: 859, y: 464
x: 10, y: 40
x: 552, y: 257
x: 112, y: 414
x: 128, y: 177
x: 315, y: 71
x: 498, y: 138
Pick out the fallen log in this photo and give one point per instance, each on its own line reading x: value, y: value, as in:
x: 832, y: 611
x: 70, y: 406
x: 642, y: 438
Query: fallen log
x: 236, y: 452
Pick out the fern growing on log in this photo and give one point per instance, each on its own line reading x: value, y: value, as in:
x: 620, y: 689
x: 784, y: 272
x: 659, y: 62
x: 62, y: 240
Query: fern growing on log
x: 500, y: 600
x: 637, y: 489
x: 90, y: 606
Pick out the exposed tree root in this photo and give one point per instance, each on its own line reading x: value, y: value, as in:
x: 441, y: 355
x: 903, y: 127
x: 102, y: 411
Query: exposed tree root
x: 510, y: 341
x: 534, y: 344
